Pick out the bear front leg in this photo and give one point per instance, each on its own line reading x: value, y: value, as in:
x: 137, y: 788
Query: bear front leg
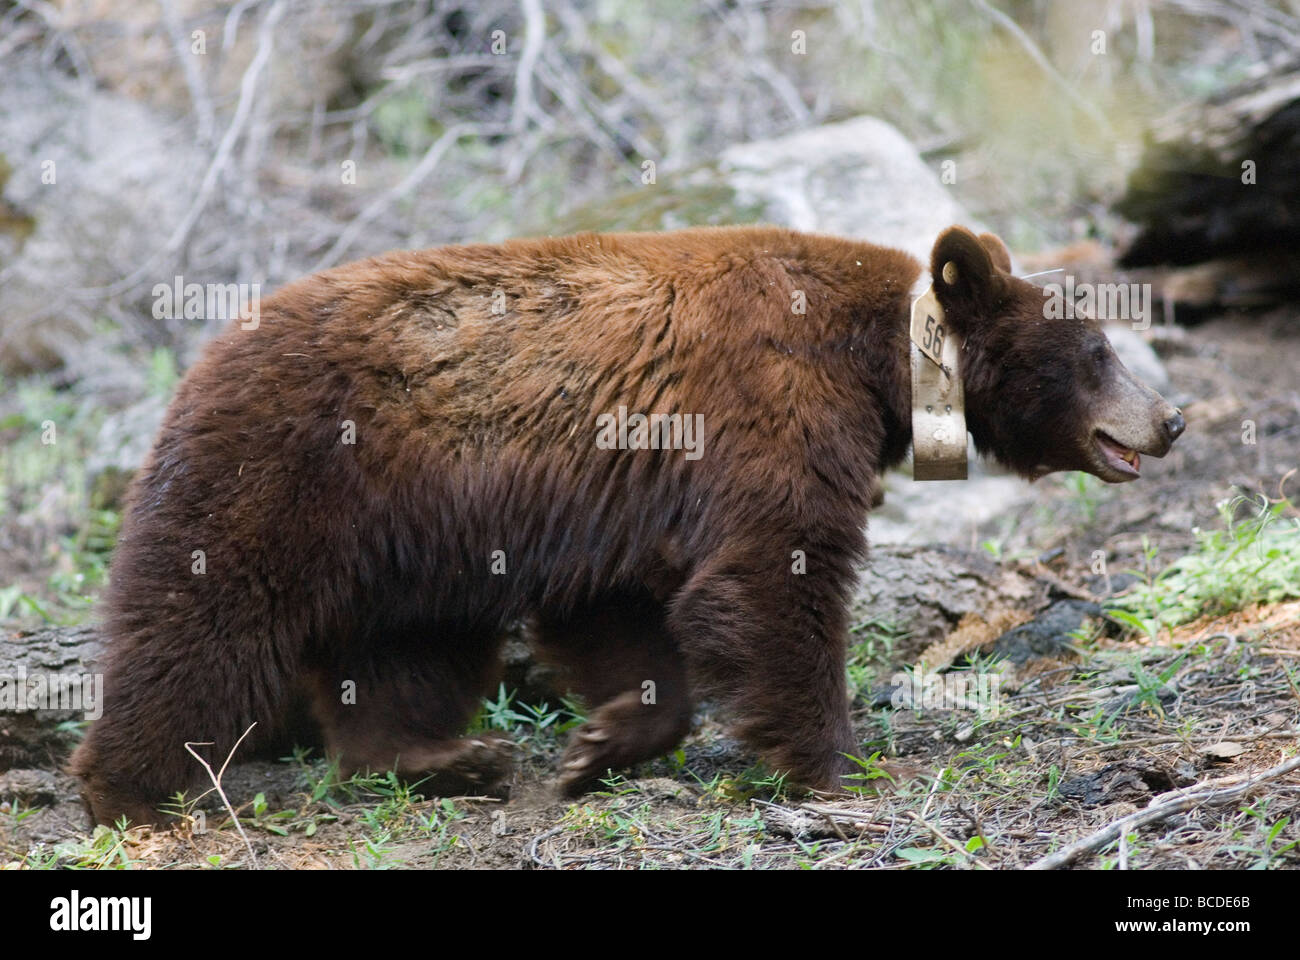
x: 156, y: 699
x: 770, y: 643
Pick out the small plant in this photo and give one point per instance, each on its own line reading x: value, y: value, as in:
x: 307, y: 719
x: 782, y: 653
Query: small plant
x: 1053, y: 783
x: 868, y: 769
x: 1085, y: 493
x: 1266, y: 854
x: 1252, y: 560
x: 270, y: 822
x: 1131, y: 842
x: 743, y: 787
x: 1150, y: 684
x: 926, y: 858
x: 105, y: 849
x: 527, y: 722
x: 871, y: 650
x: 374, y: 853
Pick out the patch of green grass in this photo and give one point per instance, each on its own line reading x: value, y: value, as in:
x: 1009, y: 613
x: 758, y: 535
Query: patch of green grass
x: 871, y: 650
x: 538, y: 725
x: 1255, y: 559
x: 105, y: 849
x: 698, y: 198
x: 46, y: 436
x: 1272, y: 839
x: 394, y: 810
x: 163, y: 374
x: 403, y: 125
x: 620, y: 827
x: 631, y: 830
x: 1085, y: 493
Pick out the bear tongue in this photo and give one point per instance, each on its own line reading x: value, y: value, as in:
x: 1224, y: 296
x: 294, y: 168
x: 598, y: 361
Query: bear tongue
x: 1119, y: 456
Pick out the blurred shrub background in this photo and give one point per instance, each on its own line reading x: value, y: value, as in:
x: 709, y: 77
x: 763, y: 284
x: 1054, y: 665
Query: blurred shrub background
x: 255, y: 141
x: 192, y: 137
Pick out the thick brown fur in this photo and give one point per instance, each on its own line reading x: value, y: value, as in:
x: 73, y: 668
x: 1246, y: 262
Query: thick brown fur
x: 333, y: 564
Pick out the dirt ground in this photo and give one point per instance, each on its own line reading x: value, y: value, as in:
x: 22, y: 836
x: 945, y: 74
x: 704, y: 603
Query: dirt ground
x: 1091, y: 724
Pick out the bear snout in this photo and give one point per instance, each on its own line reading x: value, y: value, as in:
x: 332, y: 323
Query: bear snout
x: 1175, y: 426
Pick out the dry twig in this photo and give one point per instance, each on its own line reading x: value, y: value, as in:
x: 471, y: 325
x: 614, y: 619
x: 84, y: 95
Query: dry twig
x: 1211, y: 793
x: 216, y: 784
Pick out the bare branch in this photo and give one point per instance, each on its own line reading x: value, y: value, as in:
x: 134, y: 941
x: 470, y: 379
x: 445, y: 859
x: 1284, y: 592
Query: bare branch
x: 534, y: 38
x: 206, y: 116
x: 1037, y: 55
x: 1213, y: 793
x: 428, y: 163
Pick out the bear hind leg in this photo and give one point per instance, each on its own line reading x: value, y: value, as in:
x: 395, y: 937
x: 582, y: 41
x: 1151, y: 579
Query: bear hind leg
x: 404, y: 711
x: 618, y: 656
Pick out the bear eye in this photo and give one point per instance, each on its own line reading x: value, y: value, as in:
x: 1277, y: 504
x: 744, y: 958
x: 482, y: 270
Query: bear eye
x: 1100, y: 355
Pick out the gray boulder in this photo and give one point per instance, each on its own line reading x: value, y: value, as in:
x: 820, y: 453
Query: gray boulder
x: 859, y: 178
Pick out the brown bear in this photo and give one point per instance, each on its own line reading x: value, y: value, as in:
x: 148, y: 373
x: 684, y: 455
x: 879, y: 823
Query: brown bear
x: 350, y: 499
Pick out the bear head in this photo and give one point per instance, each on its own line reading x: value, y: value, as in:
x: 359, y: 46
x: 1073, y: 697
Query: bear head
x: 1042, y: 393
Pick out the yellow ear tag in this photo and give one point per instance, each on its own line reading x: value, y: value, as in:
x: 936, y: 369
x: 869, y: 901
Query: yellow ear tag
x: 938, y: 400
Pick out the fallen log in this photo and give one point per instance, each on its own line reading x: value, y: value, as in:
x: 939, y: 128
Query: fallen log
x: 1215, y: 192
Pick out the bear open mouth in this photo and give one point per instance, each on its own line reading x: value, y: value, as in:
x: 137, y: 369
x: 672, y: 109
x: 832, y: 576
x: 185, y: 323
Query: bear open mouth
x: 1121, y: 459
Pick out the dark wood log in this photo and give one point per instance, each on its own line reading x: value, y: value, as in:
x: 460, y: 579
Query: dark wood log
x: 44, y: 737
x: 1191, y: 194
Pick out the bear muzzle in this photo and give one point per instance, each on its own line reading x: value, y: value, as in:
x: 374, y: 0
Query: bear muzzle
x: 1119, y: 443
x: 1132, y: 420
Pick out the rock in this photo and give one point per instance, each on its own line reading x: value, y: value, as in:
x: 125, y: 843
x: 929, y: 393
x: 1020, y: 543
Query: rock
x: 1127, y: 781
x: 1197, y: 193
x: 1136, y: 354
x: 859, y: 178
x: 1047, y: 635
x: 944, y: 511
x: 31, y: 788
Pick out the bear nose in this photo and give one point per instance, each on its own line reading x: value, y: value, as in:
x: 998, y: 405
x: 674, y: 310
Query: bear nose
x: 1175, y: 426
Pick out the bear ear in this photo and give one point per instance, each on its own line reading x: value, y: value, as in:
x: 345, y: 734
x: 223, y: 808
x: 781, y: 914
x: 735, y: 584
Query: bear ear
x: 998, y: 251
x: 965, y: 279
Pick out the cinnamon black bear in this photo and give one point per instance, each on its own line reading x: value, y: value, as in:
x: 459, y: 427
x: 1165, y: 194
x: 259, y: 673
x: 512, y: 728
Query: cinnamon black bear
x: 349, y: 500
